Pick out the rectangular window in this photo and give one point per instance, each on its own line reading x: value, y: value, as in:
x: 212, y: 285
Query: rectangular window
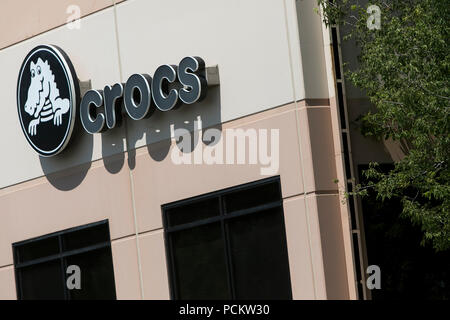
x: 41, y: 264
x: 229, y: 244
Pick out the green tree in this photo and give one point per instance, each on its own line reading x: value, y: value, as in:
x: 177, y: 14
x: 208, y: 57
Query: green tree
x: 403, y: 68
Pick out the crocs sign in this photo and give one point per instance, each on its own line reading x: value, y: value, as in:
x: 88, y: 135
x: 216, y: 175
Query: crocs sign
x: 141, y: 95
x: 48, y: 97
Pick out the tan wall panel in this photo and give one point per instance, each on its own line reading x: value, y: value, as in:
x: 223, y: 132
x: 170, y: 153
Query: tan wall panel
x: 316, y: 247
x: 300, y: 264
x: 61, y: 201
x: 7, y: 284
x: 333, y: 246
x: 317, y: 148
x: 315, y: 241
x: 126, y: 269
x: 154, y: 269
x: 29, y: 18
x: 157, y: 182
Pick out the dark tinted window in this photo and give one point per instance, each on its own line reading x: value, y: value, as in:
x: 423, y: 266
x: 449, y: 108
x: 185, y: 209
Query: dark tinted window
x: 97, y: 280
x: 194, y: 211
x: 252, y: 197
x: 239, y: 252
x: 259, y: 256
x: 200, y: 257
x: 86, y: 237
x: 41, y: 264
x: 337, y: 63
x: 42, y: 281
x: 37, y: 249
x: 410, y: 270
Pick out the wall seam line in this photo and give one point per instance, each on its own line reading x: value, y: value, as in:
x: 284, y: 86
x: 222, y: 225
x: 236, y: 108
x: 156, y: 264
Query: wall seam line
x: 133, y: 200
x: 299, y: 144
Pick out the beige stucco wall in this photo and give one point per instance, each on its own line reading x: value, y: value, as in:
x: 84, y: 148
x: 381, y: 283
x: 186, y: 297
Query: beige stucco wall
x: 23, y: 19
x: 103, y: 191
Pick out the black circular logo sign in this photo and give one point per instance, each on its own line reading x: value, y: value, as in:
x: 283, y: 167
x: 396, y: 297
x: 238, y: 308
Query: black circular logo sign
x: 47, y: 98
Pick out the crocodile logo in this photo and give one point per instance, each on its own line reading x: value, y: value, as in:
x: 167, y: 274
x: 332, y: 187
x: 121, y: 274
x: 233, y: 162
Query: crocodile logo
x: 47, y: 99
x: 44, y: 102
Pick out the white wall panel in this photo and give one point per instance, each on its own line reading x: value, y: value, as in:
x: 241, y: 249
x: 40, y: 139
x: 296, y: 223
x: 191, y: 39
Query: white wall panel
x: 247, y: 39
x: 255, y: 43
x: 93, y: 51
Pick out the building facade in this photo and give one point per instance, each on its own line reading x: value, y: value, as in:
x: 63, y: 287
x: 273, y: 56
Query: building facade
x: 143, y: 218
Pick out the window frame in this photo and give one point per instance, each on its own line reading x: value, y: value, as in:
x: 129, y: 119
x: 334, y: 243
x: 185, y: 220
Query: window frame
x: 221, y: 218
x: 61, y: 255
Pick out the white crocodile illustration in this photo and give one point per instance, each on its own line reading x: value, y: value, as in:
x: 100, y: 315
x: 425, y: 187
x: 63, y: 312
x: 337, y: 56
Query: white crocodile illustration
x: 43, y: 101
